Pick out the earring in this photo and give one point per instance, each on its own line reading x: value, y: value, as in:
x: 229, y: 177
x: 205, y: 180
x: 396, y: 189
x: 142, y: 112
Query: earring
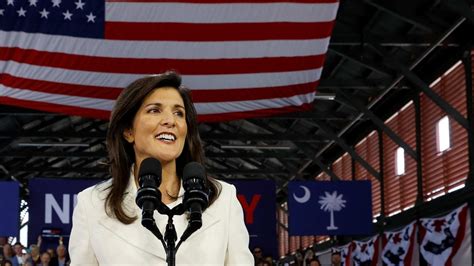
x: 128, y: 137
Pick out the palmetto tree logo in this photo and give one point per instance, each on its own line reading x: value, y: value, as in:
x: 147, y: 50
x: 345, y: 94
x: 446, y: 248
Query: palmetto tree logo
x: 331, y: 203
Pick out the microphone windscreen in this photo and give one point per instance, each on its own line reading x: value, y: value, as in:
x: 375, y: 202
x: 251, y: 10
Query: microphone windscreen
x: 193, y: 170
x: 150, y: 166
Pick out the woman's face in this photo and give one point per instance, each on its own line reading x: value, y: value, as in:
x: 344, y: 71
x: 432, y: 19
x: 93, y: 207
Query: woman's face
x: 159, y: 128
x: 45, y: 258
x: 34, y: 250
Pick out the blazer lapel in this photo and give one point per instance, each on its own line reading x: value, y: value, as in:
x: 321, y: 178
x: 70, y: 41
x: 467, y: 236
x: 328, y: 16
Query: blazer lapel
x: 134, y: 233
x: 140, y: 237
x: 209, y: 219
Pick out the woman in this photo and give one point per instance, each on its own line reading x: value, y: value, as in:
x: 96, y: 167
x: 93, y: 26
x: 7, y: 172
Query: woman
x: 45, y: 259
x: 154, y: 117
x: 35, y: 254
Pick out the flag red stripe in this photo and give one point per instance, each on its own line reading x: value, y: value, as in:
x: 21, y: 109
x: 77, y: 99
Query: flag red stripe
x: 111, y: 93
x: 408, y: 258
x: 93, y: 113
x: 255, y: 113
x: 60, y: 88
x: 226, y: 1
x: 56, y: 108
x: 459, y: 236
x: 252, y: 93
x: 375, y: 256
x: 217, y: 31
x: 422, y: 231
x: 143, y: 65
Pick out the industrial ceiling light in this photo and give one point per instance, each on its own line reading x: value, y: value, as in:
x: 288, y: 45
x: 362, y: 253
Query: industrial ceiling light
x: 32, y: 144
x: 325, y: 96
x: 258, y: 147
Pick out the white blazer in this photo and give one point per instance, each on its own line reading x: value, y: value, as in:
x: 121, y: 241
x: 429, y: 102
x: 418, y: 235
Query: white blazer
x: 97, y: 239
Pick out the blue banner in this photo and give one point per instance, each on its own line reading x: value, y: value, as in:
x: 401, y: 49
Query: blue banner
x: 330, y: 208
x: 52, y: 202
x: 50, y: 205
x: 258, y: 200
x: 9, y: 208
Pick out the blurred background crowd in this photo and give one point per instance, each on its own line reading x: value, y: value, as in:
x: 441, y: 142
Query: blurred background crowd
x: 35, y: 254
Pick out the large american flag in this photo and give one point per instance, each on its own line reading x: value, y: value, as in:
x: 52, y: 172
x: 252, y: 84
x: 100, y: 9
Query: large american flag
x: 241, y: 58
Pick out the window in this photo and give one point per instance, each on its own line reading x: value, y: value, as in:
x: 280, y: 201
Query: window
x: 400, y: 161
x: 443, y: 134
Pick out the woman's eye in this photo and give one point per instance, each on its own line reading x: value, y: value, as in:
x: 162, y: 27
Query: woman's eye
x: 153, y: 110
x: 179, y: 113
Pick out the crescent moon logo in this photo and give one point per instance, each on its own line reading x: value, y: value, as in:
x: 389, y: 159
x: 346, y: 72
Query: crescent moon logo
x: 305, y: 197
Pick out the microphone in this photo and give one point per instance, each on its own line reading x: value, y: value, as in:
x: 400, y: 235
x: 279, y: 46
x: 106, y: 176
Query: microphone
x: 196, y: 196
x: 148, y: 196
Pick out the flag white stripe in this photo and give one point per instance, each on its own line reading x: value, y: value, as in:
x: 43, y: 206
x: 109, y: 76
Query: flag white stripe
x: 221, y: 13
x: 197, y: 82
x: 107, y: 105
x: 163, y: 49
x: 75, y: 101
x: 253, y: 105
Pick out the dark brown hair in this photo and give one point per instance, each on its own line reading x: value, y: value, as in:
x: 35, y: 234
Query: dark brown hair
x: 121, y: 155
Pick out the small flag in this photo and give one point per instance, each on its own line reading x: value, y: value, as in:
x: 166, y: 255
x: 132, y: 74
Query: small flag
x: 366, y: 252
x: 330, y: 208
x: 447, y: 240
x: 400, y: 247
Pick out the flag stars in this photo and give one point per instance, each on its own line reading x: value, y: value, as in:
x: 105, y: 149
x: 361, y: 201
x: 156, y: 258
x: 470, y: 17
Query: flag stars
x: 21, y: 12
x: 67, y: 15
x: 33, y: 2
x: 91, y: 18
x: 79, y: 4
x: 10, y: 3
x: 56, y: 3
x: 44, y: 13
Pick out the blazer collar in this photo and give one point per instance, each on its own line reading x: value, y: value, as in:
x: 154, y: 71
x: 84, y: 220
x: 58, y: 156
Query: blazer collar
x: 134, y: 233
x: 142, y: 238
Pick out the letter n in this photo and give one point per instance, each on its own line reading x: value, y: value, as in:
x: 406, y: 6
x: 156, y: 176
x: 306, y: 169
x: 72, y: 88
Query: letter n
x: 51, y: 203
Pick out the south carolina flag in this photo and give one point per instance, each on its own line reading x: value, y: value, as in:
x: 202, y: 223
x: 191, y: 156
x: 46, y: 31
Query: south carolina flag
x: 447, y: 240
x: 329, y: 208
x: 400, y: 248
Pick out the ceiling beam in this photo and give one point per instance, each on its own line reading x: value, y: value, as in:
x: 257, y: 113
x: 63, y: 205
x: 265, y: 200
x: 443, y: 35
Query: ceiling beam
x: 79, y: 170
x: 415, y: 63
x: 342, y: 143
x: 52, y: 134
x: 415, y: 21
x: 263, y: 137
x: 354, y: 103
x: 357, y: 84
x: 263, y: 155
x: 351, y: 39
x: 461, y: 7
x: 60, y: 154
x: 365, y: 63
x: 39, y: 169
x: 260, y: 171
x: 315, y: 115
x: 311, y: 154
x: 423, y: 87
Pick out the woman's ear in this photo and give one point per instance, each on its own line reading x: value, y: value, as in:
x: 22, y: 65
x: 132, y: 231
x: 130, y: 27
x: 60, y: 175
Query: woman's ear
x: 128, y: 136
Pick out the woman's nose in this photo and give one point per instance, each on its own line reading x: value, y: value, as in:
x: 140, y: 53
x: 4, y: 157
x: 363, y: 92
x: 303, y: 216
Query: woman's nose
x: 167, y: 119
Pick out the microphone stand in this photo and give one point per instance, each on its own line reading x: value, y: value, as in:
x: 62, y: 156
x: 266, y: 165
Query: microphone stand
x: 169, y: 241
x: 170, y: 233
